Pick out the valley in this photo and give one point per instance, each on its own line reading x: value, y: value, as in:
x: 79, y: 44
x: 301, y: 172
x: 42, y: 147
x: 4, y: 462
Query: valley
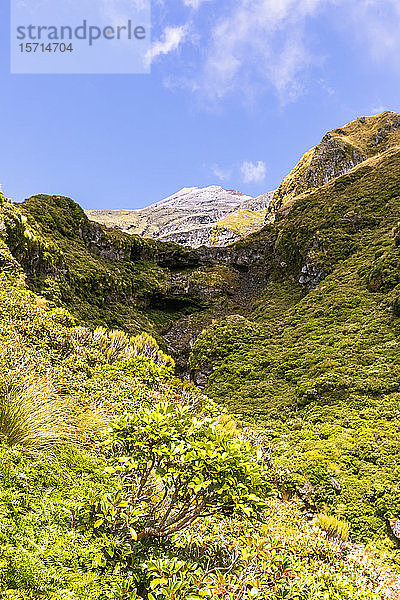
x: 286, y: 332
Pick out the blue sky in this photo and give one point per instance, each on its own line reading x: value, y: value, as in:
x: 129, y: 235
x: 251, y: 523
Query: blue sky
x: 239, y: 90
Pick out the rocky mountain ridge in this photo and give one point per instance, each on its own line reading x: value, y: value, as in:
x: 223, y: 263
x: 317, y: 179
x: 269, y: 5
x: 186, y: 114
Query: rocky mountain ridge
x: 192, y: 217
x: 338, y: 152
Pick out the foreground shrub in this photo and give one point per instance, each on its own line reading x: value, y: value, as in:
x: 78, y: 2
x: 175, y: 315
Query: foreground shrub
x: 175, y: 468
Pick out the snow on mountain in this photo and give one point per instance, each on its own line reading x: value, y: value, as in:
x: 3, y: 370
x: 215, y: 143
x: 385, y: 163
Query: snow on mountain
x: 187, y: 217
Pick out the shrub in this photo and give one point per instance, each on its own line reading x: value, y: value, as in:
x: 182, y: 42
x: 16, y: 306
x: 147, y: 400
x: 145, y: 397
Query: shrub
x: 145, y: 345
x: 175, y: 468
x: 63, y: 316
x: 116, y: 346
x: 144, y: 369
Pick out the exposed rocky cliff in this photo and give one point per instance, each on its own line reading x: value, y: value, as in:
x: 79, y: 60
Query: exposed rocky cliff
x: 338, y: 152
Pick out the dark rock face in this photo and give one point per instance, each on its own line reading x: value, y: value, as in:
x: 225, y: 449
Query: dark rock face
x: 180, y: 339
x: 311, y: 273
x: 97, y: 242
x: 201, y: 376
x: 388, y: 127
x: 311, y: 276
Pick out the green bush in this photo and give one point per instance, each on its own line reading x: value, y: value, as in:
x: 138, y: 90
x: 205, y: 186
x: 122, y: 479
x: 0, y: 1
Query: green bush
x: 143, y: 369
x: 176, y: 468
x: 63, y: 316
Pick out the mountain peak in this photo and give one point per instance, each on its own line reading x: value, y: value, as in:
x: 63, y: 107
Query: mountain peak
x: 187, y: 217
x: 339, y: 151
x: 195, y: 198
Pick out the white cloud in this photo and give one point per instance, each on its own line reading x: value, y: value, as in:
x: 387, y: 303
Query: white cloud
x: 377, y: 110
x: 253, y: 172
x: 259, y: 43
x: 171, y: 39
x: 221, y: 173
x: 254, y: 46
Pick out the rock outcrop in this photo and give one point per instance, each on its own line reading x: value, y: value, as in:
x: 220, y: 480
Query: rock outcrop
x: 338, y: 152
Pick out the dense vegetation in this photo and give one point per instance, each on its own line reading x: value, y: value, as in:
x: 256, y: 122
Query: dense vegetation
x: 320, y: 374
x: 119, y: 480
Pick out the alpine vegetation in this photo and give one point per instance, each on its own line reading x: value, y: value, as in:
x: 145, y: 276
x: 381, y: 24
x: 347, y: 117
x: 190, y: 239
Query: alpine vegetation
x: 212, y: 422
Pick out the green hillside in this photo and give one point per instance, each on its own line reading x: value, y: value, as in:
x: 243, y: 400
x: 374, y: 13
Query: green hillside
x: 262, y: 459
x: 339, y: 151
x: 72, y: 526
x: 316, y: 366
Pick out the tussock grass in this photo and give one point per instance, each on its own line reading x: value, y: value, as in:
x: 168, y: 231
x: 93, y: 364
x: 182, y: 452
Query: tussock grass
x: 334, y: 528
x: 34, y: 417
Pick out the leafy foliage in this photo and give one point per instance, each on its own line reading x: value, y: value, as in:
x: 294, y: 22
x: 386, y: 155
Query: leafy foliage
x: 47, y: 550
x: 176, y: 468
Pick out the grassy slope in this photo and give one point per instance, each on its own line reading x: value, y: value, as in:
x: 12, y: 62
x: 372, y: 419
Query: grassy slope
x: 102, y: 275
x: 132, y: 220
x: 358, y: 140
x: 321, y: 374
x: 44, y: 551
x: 53, y: 244
x: 239, y: 223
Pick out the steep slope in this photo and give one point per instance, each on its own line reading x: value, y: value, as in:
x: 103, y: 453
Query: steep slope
x: 188, y: 217
x: 339, y: 151
x: 69, y: 515
x: 316, y: 365
x: 125, y: 281
x: 71, y: 261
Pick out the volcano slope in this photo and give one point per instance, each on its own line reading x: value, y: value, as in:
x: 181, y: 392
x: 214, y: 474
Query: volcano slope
x: 316, y: 365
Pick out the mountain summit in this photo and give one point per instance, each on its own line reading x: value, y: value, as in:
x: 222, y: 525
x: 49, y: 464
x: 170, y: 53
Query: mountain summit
x: 192, y: 217
x: 213, y: 216
x: 338, y: 152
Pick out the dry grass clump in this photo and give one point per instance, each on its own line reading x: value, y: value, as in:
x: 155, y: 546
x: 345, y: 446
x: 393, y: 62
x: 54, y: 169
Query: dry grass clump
x: 92, y: 425
x: 334, y: 528
x: 33, y: 416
